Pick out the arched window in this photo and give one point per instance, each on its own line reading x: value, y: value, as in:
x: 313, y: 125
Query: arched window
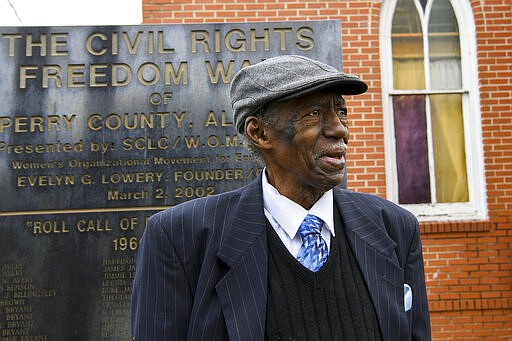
x: 434, y: 160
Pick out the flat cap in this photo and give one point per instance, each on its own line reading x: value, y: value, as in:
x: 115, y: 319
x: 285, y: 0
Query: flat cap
x: 285, y: 77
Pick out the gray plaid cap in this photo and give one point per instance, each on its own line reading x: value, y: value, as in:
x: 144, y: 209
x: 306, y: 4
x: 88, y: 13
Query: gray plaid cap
x: 282, y: 78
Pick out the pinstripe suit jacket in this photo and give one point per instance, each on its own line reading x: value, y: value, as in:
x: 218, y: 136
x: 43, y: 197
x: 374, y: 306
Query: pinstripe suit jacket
x: 202, y: 267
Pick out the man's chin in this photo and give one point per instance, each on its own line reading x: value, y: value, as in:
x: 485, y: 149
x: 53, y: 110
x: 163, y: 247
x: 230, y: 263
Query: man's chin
x: 329, y: 182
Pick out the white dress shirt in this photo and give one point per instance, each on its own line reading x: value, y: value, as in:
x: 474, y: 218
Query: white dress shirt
x: 285, y: 216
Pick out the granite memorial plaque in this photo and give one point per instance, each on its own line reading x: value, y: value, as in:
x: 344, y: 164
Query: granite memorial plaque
x: 99, y: 128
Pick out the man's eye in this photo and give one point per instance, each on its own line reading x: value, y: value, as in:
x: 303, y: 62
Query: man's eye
x: 342, y: 113
x: 315, y: 113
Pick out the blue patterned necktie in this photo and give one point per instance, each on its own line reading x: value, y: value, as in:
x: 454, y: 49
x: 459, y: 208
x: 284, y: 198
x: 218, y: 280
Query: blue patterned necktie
x: 313, y: 252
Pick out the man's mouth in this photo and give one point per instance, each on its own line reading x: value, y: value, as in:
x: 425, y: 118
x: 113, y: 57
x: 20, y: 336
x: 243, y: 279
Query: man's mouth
x: 333, y: 159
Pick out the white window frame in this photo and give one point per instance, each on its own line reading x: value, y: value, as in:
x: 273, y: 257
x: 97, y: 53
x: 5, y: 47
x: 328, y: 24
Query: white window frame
x: 476, y: 208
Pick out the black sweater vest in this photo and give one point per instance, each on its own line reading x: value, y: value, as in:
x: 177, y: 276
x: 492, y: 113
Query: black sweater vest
x: 331, y: 304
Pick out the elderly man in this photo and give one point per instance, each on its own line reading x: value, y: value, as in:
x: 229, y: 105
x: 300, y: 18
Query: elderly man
x: 291, y: 256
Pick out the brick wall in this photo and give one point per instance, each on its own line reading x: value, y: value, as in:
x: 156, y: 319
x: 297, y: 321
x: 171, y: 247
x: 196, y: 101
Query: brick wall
x: 468, y: 264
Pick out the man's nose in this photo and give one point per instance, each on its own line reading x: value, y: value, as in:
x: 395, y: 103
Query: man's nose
x: 334, y: 127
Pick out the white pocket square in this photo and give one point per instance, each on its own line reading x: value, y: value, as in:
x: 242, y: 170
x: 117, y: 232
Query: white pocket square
x: 407, y: 297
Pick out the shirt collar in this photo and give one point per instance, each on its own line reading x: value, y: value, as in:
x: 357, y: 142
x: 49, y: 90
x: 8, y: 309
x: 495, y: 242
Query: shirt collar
x: 289, y: 215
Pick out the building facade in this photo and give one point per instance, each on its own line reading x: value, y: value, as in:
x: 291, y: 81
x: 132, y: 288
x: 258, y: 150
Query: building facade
x: 433, y: 133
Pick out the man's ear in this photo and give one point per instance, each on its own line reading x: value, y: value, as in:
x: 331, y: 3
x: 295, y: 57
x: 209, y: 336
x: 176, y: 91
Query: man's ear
x: 257, y: 132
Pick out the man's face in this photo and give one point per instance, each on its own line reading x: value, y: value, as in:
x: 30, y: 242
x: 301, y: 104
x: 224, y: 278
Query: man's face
x: 309, y: 140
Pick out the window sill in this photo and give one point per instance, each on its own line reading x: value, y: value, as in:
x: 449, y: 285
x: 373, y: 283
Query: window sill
x: 429, y: 227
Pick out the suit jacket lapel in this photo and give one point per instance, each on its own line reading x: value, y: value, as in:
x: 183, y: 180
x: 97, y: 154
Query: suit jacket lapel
x: 374, y: 252
x: 242, y: 292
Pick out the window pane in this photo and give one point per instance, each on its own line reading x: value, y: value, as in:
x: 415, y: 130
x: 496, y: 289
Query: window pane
x: 449, y: 149
x: 407, y: 47
x: 442, y: 18
x: 411, y: 149
x: 444, y: 45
